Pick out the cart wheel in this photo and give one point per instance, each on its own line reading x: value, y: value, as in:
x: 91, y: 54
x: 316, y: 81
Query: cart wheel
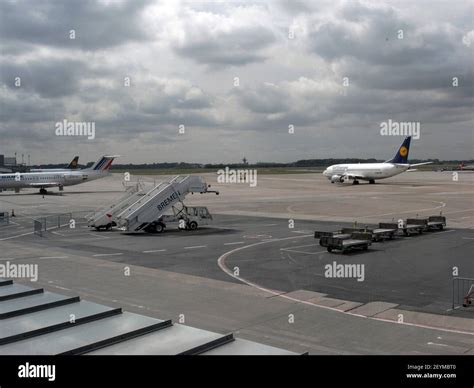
x: 193, y: 225
x: 329, y: 249
x: 441, y: 227
x: 366, y: 247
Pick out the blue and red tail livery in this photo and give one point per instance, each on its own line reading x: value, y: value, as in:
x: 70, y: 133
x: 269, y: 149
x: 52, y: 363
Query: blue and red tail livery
x: 103, y: 164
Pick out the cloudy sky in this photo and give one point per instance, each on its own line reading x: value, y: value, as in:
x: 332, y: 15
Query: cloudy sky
x: 236, y: 75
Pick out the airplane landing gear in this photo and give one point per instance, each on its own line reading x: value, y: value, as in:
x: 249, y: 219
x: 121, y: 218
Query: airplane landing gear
x: 355, y: 182
x: 372, y: 181
x: 43, y: 191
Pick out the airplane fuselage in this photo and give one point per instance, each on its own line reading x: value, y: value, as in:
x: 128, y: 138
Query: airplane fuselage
x: 47, y: 179
x: 365, y: 171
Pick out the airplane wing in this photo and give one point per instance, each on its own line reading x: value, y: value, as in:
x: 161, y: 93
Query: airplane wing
x: 419, y: 164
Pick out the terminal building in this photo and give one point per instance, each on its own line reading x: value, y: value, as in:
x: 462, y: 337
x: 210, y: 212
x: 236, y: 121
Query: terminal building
x: 8, y: 164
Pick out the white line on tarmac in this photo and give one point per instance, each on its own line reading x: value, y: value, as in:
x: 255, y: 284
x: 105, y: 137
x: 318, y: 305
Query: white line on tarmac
x: 155, y: 250
x: 298, y: 246
x: 235, y: 243
x: 278, y: 294
x: 468, y: 238
x: 302, y: 252
x: 52, y: 257
x: 435, y: 343
x: 107, y: 254
x: 97, y: 236
x: 196, y: 247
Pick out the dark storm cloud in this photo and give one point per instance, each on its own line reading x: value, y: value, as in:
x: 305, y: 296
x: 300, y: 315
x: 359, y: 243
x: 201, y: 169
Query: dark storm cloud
x: 97, y: 24
x: 50, y: 78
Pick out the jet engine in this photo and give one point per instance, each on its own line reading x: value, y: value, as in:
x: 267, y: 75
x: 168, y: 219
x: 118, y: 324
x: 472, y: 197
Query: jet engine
x: 337, y: 178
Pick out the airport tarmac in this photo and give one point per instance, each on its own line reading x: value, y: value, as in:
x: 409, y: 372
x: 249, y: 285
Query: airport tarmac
x: 252, y: 273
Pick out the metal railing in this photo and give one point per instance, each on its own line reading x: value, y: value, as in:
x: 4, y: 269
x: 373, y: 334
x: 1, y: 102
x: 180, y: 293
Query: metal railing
x: 51, y: 222
x: 4, y: 218
x: 463, y: 292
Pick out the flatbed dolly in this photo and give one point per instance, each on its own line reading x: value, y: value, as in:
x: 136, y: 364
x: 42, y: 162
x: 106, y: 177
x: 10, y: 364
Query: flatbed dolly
x: 356, y: 240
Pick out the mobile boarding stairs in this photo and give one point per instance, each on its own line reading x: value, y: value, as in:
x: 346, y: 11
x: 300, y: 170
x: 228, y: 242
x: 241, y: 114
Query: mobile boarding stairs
x: 139, y: 211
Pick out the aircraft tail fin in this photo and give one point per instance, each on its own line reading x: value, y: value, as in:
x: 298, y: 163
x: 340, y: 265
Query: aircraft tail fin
x: 103, y: 164
x: 73, y: 164
x: 401, y: 156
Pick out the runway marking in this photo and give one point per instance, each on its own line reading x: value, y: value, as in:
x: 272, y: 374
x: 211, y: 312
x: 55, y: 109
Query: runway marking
x: 52, y: 257
x: 270, y: 225
x: 295, y: 250
x: 280, y: 294
x: 196, y: 247
x: 235, y: 243
x: 435, y: 343
x: 298, y: 246
x: 155, y: 250
x: 97, y: 236
x: 468, y: 238
x: 107, y: 254
x: 303, y: 252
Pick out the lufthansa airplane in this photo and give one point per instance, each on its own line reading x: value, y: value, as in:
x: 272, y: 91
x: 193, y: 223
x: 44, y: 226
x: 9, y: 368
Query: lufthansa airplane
x: 44, y: 180
x: 372, y: 171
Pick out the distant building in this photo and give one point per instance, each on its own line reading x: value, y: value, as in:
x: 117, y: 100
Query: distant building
x: 9, y: 161
x: 6, y: 162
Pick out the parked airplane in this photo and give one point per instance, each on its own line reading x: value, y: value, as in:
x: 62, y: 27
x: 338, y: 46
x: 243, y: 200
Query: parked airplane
x: 71, y: 166
x: 372, y: 171
x: 44, y: 180
x: 469, y: 167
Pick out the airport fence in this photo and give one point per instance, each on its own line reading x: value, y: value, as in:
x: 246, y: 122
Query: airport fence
x: 463, y: 292
x: 51, y: 222
x: 4, y: 218
x: 43, y: 224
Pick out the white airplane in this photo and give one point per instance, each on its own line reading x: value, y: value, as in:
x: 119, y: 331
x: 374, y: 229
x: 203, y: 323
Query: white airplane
x: 71, y: 166
x: 372, y: 171
x: 44, y: 180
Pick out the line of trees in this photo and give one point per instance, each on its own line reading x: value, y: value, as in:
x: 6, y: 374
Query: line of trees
x: 299, y: 163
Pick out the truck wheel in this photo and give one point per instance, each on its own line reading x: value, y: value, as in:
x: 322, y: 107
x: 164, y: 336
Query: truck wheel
x: 159, y: 228
x: 150, y: 228
x: 193, y: 225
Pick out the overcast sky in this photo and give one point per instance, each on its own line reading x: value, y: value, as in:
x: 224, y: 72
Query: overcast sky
x: 184, y: 59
